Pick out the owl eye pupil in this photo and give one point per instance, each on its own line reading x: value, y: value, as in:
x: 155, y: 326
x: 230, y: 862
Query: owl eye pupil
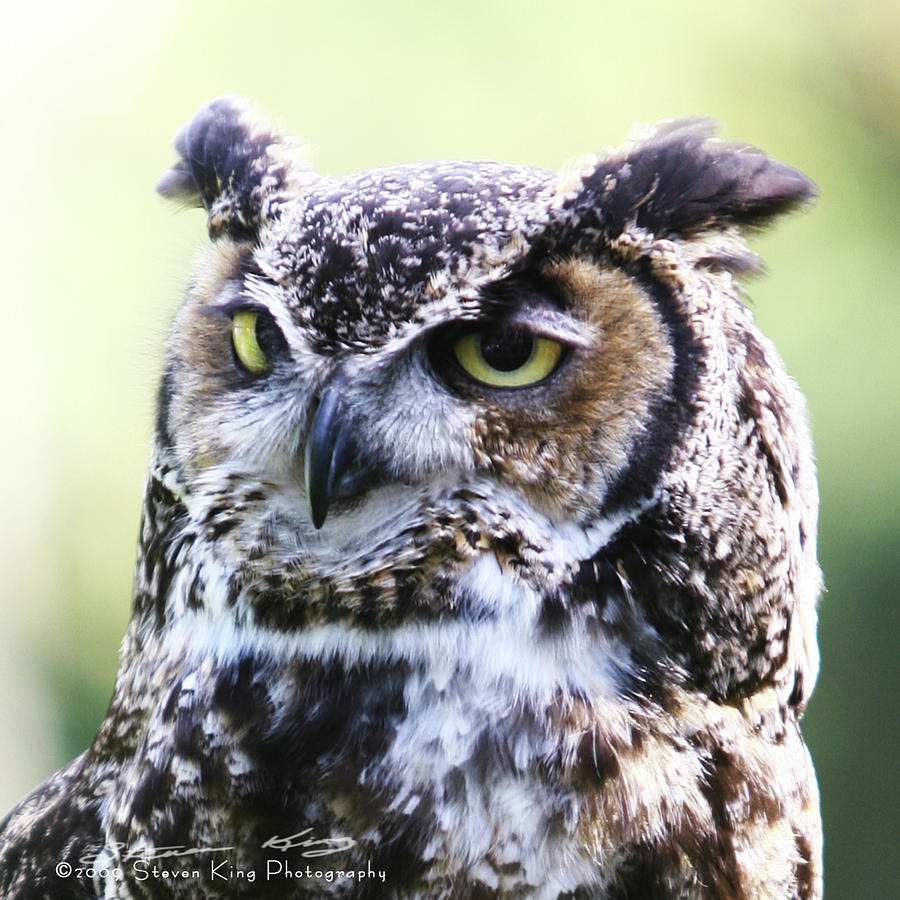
x: 507, y: 350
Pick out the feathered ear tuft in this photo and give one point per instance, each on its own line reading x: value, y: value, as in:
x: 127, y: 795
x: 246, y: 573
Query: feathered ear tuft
x: 237, y: 165
x: 679, y: 180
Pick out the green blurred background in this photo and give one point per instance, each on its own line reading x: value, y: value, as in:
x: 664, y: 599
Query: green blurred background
x: 94, y: 263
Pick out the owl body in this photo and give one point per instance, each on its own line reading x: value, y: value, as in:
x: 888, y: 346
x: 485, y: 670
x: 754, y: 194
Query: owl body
x: 478, y: 547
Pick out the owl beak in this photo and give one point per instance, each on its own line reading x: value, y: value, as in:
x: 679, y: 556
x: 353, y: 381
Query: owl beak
x: 335, y: 467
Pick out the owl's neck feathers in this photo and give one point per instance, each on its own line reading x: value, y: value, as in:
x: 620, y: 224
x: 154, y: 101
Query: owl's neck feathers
x: 198, y: 607
x: 618, y: 632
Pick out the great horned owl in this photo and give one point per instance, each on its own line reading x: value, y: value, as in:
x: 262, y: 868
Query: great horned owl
x: 478, y: 550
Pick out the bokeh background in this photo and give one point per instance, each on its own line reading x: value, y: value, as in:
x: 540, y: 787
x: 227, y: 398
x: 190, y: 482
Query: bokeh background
x: 93, y: 264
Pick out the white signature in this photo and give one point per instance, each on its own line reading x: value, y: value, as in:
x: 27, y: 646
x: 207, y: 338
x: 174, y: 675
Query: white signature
x: 311, y: 846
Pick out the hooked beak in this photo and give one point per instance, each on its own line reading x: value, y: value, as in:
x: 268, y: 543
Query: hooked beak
x: 335, y: 466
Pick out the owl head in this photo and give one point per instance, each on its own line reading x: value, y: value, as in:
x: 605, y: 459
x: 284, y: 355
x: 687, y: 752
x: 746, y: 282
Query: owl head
x: 385, y: 390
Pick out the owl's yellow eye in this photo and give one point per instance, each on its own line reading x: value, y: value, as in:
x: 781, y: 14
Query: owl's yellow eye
x: 507, y: 357
x: 246, y: 342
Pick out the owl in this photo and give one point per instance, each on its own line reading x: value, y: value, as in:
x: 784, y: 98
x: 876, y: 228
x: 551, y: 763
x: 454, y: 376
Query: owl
x: 477, y: 556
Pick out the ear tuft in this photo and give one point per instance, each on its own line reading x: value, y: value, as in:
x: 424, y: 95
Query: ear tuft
x: 678, y: 179
x: 237, y: 165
